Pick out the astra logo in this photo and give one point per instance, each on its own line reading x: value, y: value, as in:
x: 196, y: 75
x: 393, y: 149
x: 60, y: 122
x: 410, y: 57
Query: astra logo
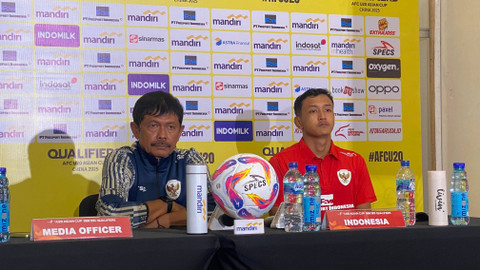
x: 104, y: 104
x: 191, y: 105
x: 103, y: 58
x: 348, y: 107
x: 270, y: 19
x: 272, y: 106
x: 102, y: 11
x: 59, y: 128
x: 189, y: 15
x: 9, y: 56
x: 10, y: 104
x: 346, y: 22
x: 8, y: 7
x: 347, y: 64
x: 190, y: 60
x: 271, y: 62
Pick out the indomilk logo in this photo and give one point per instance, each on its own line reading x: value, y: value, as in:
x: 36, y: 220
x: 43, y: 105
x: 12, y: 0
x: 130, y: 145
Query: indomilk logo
x: 148, y: 16
x: 270, y: 19
x: 189, y: 15
x: 106, y: 132
x: 308, y: 24
x: 102, y: 11
x: 232, y: 20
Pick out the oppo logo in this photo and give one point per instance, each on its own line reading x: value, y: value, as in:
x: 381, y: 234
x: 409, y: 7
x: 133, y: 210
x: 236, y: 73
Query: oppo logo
x: 385, y: 89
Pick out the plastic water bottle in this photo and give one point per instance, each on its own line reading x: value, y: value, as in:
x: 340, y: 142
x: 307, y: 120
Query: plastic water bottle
x: 311, y: 200
x: 459, y: 195
x: 293, y: 198
x: 406, y: 192
x: 4, y: 206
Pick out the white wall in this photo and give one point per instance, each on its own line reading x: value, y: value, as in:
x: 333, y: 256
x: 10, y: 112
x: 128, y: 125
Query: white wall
x: 460, y: 91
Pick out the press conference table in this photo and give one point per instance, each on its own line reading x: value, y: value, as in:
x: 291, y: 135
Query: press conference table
x: 419, y: 247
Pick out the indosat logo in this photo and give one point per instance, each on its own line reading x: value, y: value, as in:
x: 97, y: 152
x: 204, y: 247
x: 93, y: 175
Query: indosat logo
x: 232, y: 20
x: 59, y: 84
x: 195, y: 131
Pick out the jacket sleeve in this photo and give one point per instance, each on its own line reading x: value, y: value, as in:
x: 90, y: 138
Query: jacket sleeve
x: 118, y: 176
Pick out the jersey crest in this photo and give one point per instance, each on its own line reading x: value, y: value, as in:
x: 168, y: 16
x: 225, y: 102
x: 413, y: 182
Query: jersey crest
x: 344, y: 176
x: 173, y: 189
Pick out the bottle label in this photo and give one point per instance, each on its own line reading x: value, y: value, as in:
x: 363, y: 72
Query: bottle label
x: 293, y: 188
x: 406, y: 184
x: 311, y: 210
x: 459, y: 204
x: 5, y: 207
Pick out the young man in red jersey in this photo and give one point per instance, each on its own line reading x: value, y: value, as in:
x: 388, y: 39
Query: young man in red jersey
x: 344, y: 178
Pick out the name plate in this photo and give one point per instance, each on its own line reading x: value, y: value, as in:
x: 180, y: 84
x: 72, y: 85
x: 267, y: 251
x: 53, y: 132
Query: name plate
x: 248, y: 226
x: 80, y: 228
x: 357, y: 219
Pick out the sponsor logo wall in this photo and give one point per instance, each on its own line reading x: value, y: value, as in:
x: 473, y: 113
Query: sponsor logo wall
x: 72, y: 71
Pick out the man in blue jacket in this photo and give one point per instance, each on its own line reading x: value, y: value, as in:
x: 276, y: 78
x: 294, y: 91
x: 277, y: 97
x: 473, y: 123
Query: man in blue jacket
x: 146, y: 181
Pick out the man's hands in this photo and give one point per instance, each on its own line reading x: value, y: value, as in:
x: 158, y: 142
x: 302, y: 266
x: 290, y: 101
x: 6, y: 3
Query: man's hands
x: 159, y: 218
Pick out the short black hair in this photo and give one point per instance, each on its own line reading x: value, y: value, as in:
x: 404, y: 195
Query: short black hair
x: 157, y: 103
x: 313, y: 92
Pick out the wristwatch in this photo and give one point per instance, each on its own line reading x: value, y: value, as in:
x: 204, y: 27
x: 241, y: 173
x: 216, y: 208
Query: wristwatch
x: 169, y: 203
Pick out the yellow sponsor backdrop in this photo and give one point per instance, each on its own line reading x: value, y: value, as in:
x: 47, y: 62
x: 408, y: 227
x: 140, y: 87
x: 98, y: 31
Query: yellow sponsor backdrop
x: 50, y: 179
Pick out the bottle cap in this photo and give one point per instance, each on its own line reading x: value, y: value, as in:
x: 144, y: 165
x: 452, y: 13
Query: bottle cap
x: 293, y: 165
x: 310, y: 168
x: 3, y: 170
x: 196, y: 168
x: 404, y: 163
x: 459, y: 165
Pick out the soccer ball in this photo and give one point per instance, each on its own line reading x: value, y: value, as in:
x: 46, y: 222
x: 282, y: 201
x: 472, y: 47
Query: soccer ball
x: 245, y: 186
